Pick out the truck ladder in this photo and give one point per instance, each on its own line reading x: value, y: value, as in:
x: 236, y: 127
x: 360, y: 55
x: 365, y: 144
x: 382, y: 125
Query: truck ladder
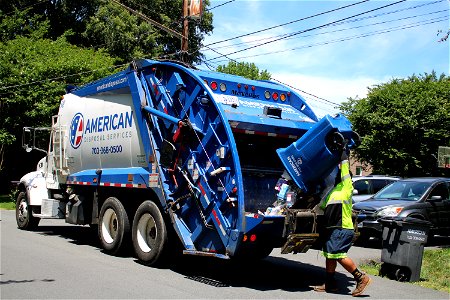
x: 58, y: 147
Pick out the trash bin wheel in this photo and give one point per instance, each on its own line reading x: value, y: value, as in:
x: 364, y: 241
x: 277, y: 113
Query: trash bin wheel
x: 402, y: 274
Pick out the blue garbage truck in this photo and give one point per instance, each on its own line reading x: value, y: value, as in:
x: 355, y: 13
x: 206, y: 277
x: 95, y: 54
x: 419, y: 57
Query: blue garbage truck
x: 172, y: 159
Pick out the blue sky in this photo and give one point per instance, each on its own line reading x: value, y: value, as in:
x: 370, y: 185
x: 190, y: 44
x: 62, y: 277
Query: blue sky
x: 337, y: 61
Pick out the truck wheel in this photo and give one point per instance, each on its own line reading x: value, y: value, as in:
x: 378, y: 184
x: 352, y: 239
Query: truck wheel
x: 24, y: 216
x: 114, y: 226
x: 149, y: 234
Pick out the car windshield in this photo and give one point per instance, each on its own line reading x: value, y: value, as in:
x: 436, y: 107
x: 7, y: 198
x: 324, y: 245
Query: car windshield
x: 404, y: 190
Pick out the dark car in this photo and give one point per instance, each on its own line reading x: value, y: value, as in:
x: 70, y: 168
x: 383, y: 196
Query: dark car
x: 422, y: 198
x: 366, y: 186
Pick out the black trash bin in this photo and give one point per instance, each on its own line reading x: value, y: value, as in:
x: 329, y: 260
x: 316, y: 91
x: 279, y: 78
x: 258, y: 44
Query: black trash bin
x: 402, y: 251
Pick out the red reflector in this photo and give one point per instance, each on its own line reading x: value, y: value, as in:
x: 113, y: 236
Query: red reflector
x: 253, y: 88
x: 213, y: 85
x: 275, y: 96
x: 253, y: 238
x: 239, y: 85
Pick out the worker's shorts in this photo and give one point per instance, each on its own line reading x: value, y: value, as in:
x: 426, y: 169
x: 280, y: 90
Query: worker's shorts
x: 337, y: 243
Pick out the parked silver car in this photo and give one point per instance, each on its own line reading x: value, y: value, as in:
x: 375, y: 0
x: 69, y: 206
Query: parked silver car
x: 366, y: 186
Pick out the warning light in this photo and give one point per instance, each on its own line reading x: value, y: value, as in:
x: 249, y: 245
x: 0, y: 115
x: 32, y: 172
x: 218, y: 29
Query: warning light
x: 246, y: 87
x: 223, y: 87
x: 244, y: 238
x: 283, y: 97
x: 253, y: 88
x: 267, y: 95
x: 213, y: 85
x: 275, y: 96
x: 253, y: 238
x: 239, y: 85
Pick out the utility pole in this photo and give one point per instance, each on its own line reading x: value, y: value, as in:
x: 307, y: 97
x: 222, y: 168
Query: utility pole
x: 184, y: 38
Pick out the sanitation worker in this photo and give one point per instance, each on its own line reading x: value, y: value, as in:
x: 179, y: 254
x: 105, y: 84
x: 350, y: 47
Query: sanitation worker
x: 339, y: 232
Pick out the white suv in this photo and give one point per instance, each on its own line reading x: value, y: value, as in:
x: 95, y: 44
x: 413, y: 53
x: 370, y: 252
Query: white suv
x: 366, y: 186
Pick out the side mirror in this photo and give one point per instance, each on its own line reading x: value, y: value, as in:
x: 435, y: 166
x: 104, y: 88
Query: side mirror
x: 26, y: 139
x: 355, y: 192
x: 435, y: 198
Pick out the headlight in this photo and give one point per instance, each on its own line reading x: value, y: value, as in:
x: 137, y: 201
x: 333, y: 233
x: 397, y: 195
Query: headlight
x: 390, y: 211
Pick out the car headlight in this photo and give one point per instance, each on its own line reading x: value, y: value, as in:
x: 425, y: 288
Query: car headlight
x: 390, y: 211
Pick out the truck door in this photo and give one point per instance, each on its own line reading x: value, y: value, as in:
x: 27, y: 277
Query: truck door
x: 438, y: 207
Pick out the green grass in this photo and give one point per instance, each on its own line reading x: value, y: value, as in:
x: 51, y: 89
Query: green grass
x: 6, y: 202
x: 435, y: 271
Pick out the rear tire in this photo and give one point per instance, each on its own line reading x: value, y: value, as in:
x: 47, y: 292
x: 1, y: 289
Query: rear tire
x: 114, y: 226
x: 150, y: 235
x: 24, y: 215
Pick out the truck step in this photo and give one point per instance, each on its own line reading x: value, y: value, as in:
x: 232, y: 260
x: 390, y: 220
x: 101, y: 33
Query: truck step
x: 299, y: 242
x: 203, y: 253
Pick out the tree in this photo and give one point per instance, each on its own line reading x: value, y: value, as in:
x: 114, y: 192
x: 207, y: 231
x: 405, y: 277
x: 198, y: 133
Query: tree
x: 247, y: 70
x: 402, y: 123
x: 33, y: 75
x: 105, y: 25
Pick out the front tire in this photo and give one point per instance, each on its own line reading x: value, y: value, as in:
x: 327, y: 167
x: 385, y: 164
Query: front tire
x: 114, y: 226
x: 150, y: 235
x: 24, y: 215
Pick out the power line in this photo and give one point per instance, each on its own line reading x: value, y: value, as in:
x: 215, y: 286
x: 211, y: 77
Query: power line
x: 382, y: 31
x: 345, y: 29
x: 228, y: 2
x: 141, y: 15
x: 291, y: 22
x: 311, y: 29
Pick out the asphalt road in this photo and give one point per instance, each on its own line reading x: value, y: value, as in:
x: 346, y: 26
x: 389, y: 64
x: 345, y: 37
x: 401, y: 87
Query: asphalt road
x: 61, y: 261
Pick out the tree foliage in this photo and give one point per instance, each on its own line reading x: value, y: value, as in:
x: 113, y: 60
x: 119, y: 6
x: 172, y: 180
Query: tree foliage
x: 102, y: 24
x: 33, y: 77
x: 47, y: 44
x: 402, y: 123
x: 247, y: 70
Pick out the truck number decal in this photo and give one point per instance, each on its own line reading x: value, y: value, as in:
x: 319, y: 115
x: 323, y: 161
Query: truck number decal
x: 107, y: 149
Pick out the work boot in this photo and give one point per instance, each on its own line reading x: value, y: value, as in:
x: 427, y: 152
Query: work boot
x: 327, y: 287
x: 361, y: 285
